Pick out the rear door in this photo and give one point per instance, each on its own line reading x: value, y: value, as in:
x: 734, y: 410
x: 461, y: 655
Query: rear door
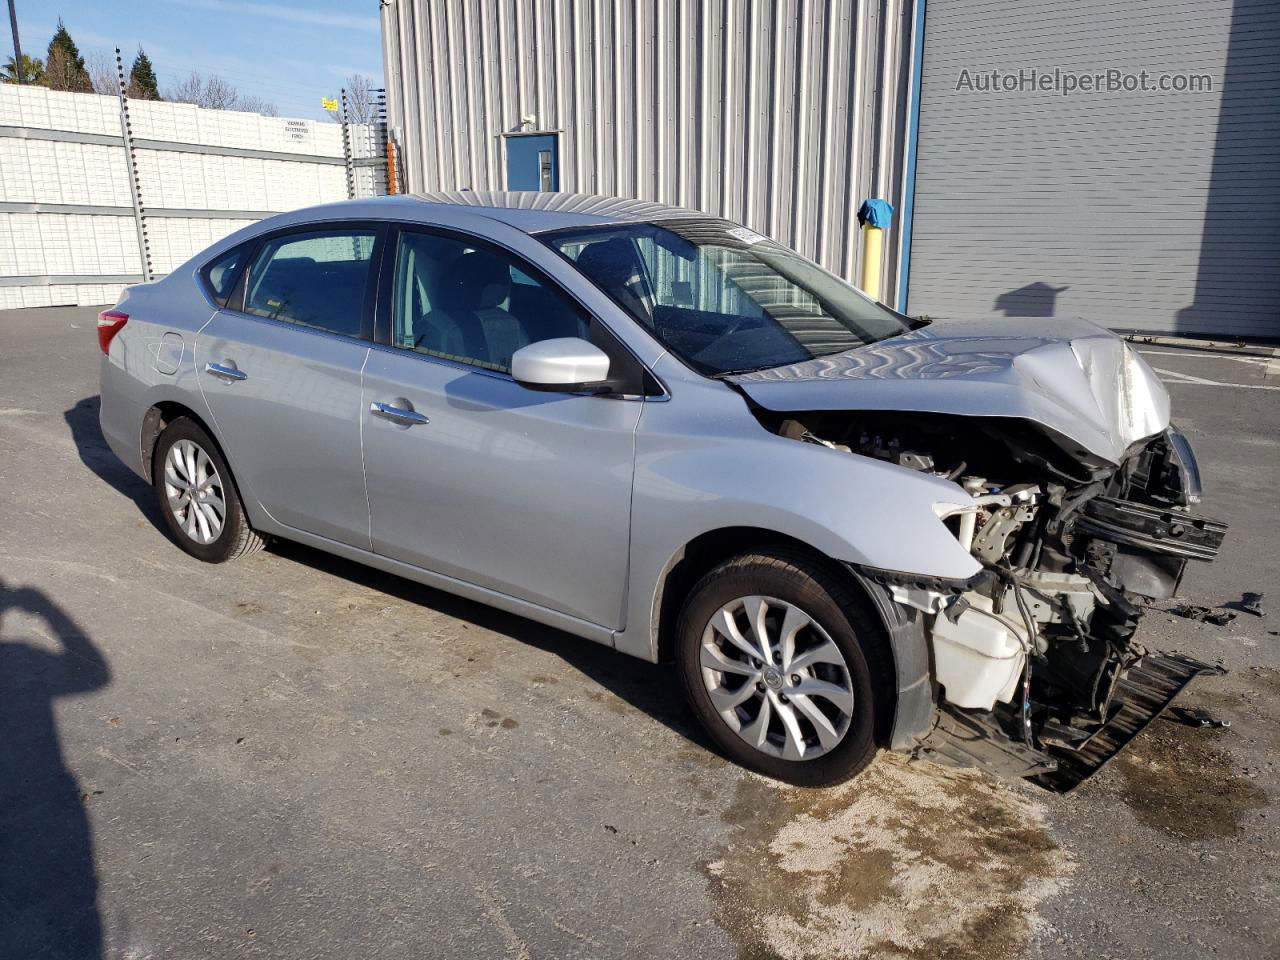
x: 522, y: 492
x: 280, y: 370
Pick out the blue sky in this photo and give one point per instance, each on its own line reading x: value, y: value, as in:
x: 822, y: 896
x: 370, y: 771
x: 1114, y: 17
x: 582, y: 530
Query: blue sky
x: 289, y: 52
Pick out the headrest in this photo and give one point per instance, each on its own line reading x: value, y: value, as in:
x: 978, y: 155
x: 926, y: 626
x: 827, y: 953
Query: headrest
x: 612, y: 262
x: 289, y: 270
x: 476, y: 280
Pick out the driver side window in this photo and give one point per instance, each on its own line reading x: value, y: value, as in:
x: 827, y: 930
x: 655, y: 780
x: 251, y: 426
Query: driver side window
x: 471, y: 303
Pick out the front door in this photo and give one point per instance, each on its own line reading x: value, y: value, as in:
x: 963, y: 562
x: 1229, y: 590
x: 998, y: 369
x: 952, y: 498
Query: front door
x: 533, y: 162
x: 281, y: 376
x: 471, y: 475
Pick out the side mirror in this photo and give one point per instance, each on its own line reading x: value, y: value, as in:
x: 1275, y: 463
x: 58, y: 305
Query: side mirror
x: 565, y: 364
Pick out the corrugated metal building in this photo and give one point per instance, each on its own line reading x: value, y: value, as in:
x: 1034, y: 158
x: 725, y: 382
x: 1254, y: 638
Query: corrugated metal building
x: 1154, y: 210
x: 768, y: 112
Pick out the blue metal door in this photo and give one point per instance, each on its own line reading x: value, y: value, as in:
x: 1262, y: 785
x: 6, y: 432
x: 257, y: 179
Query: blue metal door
x: 533, y: 162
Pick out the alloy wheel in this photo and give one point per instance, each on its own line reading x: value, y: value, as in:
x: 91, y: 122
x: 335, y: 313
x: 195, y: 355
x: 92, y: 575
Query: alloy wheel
x: 776, y: 678
x: 194, y: 492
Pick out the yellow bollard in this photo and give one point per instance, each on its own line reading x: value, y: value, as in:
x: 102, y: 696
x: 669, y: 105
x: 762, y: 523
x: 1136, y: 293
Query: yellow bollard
x: 875, y: 215
x: 872, y: 254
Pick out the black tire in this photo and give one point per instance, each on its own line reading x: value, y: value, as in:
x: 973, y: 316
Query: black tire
x: 236, y: 538
x: 836, y: 608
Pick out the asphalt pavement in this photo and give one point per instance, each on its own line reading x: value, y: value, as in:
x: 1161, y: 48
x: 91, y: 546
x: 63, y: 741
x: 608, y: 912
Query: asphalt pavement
x: 294, y: 756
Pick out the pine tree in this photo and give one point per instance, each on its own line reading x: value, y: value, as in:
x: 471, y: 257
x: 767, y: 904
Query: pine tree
x: 64, y: 67
x: 142, y: 78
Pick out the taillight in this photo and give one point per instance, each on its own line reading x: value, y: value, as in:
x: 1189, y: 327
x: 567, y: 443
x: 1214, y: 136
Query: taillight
x: 110, y: 322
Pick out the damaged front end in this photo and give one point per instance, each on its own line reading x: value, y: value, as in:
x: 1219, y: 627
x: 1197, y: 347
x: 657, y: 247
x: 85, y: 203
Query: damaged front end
x: 1034, y: 661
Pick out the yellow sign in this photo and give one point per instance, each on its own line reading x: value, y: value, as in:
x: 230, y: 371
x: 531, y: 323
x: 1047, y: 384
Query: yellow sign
x: 329, y: 104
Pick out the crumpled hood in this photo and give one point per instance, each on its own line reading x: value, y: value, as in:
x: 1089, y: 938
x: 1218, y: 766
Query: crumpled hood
x: 1070, y: 376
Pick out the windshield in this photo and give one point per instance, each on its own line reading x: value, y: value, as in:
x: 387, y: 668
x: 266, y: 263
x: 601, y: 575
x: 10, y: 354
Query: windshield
x: 725, y: 299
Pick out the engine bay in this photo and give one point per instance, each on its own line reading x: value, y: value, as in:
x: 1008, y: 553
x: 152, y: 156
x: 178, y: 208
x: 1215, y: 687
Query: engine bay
x: 1038, y: 649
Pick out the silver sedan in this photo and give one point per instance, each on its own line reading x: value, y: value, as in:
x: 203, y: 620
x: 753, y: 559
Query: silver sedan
x: 664, y: 432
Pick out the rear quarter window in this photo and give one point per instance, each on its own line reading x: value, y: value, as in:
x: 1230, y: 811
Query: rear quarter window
x: 221, y: 275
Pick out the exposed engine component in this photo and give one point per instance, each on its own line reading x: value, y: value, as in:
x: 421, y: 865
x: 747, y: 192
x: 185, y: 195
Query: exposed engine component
x: 867, y: 445
x: 1042, y: 647
x: 992, y: 542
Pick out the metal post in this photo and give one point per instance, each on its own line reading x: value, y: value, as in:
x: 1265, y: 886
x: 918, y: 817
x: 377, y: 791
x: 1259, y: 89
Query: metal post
x: 17, y: 47
x: 382, y: 142
x: 131, y: 165
x: 346, y: 149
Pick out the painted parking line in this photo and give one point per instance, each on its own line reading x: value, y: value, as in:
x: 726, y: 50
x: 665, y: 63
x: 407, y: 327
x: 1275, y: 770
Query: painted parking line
x: 1260, y: 361
x: 1174, y: 376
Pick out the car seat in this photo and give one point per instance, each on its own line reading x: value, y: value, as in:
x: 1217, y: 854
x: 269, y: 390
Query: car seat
x: 466, y: 311
x: 615, y: 265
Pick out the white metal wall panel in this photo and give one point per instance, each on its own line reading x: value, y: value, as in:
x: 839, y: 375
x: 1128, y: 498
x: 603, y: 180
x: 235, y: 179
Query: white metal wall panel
x: 762, y: 111
x: 1146, y: 211
x: 39, y: 245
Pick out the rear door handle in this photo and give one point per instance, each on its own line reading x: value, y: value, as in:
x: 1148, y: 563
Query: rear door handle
x: 406, y: 418
x: 230, y: 374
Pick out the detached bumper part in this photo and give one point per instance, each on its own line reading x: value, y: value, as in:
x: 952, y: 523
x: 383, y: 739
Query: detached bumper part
x: 1141, y: 695
x: 1144, y: 549
x: 1067, y: 756
x: 1144, y: 527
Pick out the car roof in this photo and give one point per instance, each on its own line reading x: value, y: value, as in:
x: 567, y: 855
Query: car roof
x: 529, y: 211
x: 533, y: 212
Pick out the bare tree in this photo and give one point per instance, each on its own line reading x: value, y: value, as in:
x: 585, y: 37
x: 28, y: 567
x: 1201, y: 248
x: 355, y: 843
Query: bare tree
x: 190, y: 90
x: 214, y: 93
x: 102, y: 72
x: 361, y: 106
x: 257, y: 105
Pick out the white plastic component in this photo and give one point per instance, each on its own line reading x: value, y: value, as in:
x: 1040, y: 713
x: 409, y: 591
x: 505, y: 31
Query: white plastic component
x: 978, y: 659
x: 930, y: 601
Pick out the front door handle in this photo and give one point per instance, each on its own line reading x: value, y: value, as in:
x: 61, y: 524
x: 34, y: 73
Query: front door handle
x: 406, y: 418
x: 230, y: 374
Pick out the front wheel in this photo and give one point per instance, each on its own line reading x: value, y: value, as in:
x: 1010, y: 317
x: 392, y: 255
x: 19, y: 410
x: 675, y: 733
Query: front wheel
x: 198, y: 497
x: 771, y: 653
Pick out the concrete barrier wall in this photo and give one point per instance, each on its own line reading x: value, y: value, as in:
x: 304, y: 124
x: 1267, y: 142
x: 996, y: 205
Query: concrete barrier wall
x: 67, y: 228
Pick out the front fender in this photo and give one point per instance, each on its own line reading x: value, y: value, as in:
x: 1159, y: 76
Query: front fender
x: 693, y: 477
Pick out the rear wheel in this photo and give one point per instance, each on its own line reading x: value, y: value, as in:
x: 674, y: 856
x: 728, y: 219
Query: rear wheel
x: 771, y: 653
x: 198, y: 496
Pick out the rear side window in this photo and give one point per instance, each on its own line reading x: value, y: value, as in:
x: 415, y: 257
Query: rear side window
x: 316, y: 279
x: 221, y: 276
